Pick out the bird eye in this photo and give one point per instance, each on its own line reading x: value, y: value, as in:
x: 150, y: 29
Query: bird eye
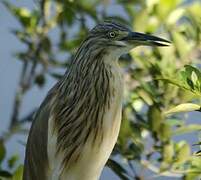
x: 112, y: 34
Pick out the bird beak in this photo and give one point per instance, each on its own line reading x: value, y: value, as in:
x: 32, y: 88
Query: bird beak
x: 145, y: 39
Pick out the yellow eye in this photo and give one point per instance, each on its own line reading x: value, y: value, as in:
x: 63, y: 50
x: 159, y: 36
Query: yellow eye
x: 112, y: 34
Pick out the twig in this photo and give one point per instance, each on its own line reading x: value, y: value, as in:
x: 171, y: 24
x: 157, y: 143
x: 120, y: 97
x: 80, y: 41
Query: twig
x: 18, y: 96
x: 26, y: 77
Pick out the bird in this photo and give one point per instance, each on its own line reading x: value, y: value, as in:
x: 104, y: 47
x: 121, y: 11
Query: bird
x: 76, y: 127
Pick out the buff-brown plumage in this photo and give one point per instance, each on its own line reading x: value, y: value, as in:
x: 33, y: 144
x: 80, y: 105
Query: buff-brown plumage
x: 80, y: 114
x: 78, y: 103
x: 77, y: 125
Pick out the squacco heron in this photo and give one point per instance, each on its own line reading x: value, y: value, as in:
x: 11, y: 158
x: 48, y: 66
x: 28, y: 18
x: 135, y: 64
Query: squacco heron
x: 77, y: 125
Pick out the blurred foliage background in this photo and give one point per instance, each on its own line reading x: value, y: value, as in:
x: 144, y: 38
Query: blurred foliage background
x: 162, y: 84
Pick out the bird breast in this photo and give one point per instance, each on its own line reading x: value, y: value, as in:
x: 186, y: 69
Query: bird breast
x: 93, y: 156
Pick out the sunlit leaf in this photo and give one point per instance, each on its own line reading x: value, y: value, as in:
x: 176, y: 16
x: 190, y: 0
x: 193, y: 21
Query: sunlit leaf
x: 187, y: 129
x: 145, y: 96
x: 175, y: 15
x: 175, y: 82
x: 164, y: 7
x: 174, y: 122
x: 18, y: 173
x: 168, y: 152
x: 137, y: 105
x: 187, y: 107
x: 140, y: 22
x: 27, y: 18
x: 195, y: 9
x: 183, y: 152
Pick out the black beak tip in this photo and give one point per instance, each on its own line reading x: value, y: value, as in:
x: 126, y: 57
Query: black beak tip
x: 161, y: 43
x: 157, y: 41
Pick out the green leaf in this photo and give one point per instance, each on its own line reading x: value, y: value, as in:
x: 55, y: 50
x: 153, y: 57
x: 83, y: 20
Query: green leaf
x: 192, y: 176
x: 175, y: 82
x: 68, y: 14
x: 46, y: 44
x: 5, y: 174
x: 188, y: 79
x: 183, y: 152
x: 194, y: 78
x: 18, y: 173
x: 27, y: 18
x: 186, y: 107
x: 174, y: 122
x: 140, y: 21
x: 182, y: 45
x: 164, y: 7
x: 194, y: 75
x: 196, y: 162
x: 187, y: 129
x: 164, y: 132
x: 13, y: 160
x: 125, y: 132
x: 145, y: 96
x: 168, y: 152
x: 189, y: 69
x: 195, y: 9
x: 2, y: 151
x: 137, y: 104
x: 175, y: 15
x: 155, y: 118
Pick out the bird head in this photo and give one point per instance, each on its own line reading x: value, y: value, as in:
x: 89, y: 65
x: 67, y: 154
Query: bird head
x: 118, y: 39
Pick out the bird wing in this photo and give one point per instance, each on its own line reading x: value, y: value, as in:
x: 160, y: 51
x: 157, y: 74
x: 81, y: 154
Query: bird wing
x: 36, y: 157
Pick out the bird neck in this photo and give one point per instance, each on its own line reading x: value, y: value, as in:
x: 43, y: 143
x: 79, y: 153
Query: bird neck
x: 85, y: 94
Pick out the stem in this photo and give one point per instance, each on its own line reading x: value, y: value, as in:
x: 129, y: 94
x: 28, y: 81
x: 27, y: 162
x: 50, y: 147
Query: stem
x: 26, y: 78
x: 18, y: 96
